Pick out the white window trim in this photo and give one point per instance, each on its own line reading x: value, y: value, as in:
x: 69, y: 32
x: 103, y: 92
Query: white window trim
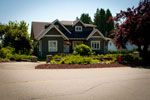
x: 77, y: 27
x: 49, y: 45
x: 95, y: 48
x: 40, y: 45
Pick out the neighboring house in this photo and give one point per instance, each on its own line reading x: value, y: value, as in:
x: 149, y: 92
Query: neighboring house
x: 112, y: 46
x: 63, y: 36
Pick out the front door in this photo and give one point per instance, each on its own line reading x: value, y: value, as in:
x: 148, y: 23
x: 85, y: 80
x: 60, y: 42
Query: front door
x: 74, y: 43
x: 66, y: 47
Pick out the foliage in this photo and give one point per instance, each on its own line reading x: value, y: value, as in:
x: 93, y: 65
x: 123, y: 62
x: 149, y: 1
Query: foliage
x: 53, y: 62
x: 104, y: 58
x: 82, y: 50
x: 85, y: 18
x: 130, y: 58
x: 6, y: 52
x: 133, y: 26
x: 126, y: 57
x: 16, y: 35
x: 77, y: 59
x: 108, y: 58
x: 101, y: 19
x: 57, y: 56
x: 109, y: 25
x: 2, y: 30
x: 4, y: 60
x: 19, y: 57
x: 120, y: 52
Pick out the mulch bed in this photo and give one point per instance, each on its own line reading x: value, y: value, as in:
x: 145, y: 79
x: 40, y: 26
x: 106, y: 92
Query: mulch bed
x: 74, y: 66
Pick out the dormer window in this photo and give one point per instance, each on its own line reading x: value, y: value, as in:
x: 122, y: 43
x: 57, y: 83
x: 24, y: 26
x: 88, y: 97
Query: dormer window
x: 78, y: 28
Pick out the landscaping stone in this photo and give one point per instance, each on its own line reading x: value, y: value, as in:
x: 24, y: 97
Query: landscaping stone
x: 49, y: 58
x: 34, y: 59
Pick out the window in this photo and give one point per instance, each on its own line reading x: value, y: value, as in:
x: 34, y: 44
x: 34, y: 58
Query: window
x: 95, y: 45
x: 78, y: 28
x: 52, y: 46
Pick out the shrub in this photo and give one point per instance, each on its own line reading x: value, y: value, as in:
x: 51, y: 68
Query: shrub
x: 57, y: 57
x: 130, y: 58
x: 77, y: 59
x: 18, y: 57
x: 53, y: 62
x: 4, y: 60
x: 120, y: 52
x: 82, y: 50
x: 6, y: 52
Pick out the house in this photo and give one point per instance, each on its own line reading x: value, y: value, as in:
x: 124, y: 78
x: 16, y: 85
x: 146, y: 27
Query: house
x: 112, y: 46
x: 62, y: 36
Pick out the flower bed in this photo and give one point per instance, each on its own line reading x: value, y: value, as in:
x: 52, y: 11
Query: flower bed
x: 74, y: 66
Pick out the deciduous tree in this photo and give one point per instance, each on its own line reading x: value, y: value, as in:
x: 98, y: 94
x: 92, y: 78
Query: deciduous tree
x: 133, y: 25
x: 16, y: 35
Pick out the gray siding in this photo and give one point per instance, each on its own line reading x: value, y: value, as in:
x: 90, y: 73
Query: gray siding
x: 60, y: 45
x: 53, y: 31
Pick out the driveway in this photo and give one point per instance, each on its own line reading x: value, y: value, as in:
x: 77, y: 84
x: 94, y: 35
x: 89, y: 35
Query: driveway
x: 75, y: 84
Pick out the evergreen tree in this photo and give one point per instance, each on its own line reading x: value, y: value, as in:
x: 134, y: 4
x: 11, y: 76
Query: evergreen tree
x: 101, y: 21
x: 85, y: 18
x: 109, y: 25
x: 96, y: 18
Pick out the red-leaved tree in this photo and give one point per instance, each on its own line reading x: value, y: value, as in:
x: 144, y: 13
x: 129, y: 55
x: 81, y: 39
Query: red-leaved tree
x: 133, y: 25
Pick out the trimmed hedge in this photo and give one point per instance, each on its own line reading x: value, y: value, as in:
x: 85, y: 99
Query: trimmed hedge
x: 8, y: 53
x: 82, y: 50
x: 76, y: 59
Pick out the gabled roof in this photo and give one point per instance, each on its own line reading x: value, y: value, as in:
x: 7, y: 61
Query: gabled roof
x: 48, y: 29
x: 70, y: 23
x: 76, y: 22
x: 39, y: 29
x: 94, y: 31
x: 61, y: 25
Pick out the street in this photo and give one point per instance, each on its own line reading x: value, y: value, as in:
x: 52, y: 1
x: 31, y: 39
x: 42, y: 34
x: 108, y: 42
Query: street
x: 28, y: 83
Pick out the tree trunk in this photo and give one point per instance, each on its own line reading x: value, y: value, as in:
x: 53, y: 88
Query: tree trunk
x: 140, y: 50
x: 145, y: 53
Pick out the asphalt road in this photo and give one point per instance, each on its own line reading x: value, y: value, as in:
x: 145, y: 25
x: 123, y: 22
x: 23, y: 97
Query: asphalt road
x: 73, y: 84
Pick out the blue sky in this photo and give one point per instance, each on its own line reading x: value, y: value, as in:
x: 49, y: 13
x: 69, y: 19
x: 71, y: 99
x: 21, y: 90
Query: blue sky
x: 49, y: 10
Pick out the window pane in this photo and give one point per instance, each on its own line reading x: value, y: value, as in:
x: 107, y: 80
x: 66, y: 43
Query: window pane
x: 92, y: 44
x: 97, y: 45
x: 52, y: 46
